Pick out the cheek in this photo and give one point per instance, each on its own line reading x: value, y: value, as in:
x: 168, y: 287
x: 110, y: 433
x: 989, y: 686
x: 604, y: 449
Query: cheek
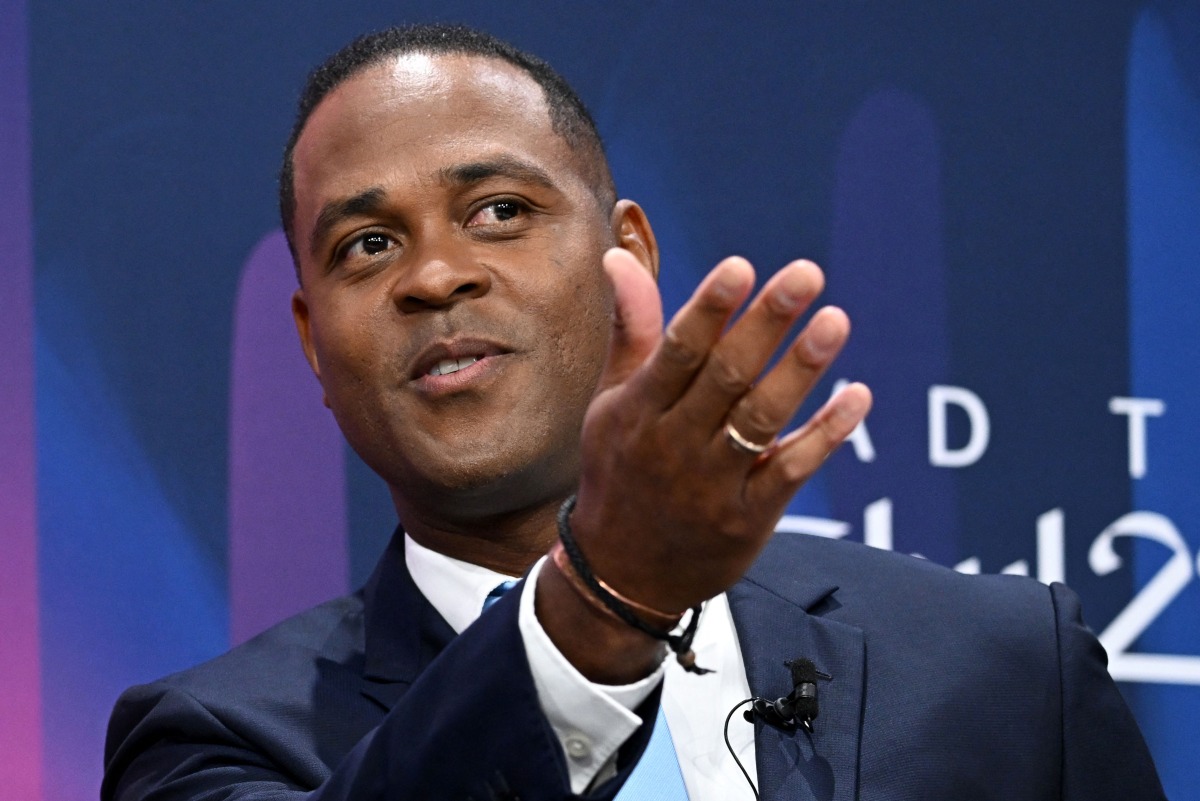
x: 585, y: 328
x: 348, y: 354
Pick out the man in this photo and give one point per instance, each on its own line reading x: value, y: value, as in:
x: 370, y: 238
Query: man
x: 482, y: 317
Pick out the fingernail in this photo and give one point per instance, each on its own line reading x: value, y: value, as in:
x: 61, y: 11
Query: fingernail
x: 727, y: 286
x: 786, y: 302
x: 790, y: 295
x: 823, y: 338
x: 852, y: 405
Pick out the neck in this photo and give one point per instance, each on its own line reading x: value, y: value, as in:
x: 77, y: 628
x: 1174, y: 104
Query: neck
x: 508, y: 542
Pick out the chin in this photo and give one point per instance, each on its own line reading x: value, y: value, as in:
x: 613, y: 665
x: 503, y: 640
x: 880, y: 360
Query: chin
x: 484, y: 485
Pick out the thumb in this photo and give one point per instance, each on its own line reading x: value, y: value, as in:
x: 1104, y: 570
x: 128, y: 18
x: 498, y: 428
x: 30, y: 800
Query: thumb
x: 637, y: 317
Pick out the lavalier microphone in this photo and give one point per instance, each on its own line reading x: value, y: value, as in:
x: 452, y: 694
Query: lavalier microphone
x: 799, y: 708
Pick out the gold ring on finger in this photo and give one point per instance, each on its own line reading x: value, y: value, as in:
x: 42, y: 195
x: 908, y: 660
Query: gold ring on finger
x: 740, y: 443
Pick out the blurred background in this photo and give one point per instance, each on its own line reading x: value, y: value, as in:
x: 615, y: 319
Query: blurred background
x: 1005, y: 196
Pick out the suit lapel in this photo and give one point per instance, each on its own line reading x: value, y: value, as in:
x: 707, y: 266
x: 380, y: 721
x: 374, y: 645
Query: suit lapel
x: 776, y: 610
x: 403, y: 632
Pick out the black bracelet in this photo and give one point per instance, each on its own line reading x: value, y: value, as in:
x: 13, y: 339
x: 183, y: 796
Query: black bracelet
x: 680, y: 644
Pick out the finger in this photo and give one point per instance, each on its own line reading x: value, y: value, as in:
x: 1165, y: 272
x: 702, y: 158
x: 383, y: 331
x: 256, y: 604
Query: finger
x: 692, y: 332
x: 637, y: 316
x: 735, y: 362
x: 764, y: 411
x: 798, y: 455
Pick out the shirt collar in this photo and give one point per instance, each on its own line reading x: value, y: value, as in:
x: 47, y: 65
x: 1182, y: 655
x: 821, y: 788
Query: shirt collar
x: 455, y: 588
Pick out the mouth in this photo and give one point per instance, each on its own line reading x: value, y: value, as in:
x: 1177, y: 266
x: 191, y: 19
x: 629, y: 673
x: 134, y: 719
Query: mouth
x: 454, y: 358
x: 448, y: 366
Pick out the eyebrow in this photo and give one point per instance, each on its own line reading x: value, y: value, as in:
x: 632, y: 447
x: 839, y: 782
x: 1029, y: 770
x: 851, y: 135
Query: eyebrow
x: 368, y: 201
x: 371, y: 200
x: 500, y: 167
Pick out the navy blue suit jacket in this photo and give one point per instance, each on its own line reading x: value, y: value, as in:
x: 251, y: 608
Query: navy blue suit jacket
x: 942, y: 686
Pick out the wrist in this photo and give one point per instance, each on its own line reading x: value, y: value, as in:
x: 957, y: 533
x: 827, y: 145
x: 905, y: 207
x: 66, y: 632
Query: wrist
x: 662, y: 626
x: 653, y: 618
x: 603, y: 648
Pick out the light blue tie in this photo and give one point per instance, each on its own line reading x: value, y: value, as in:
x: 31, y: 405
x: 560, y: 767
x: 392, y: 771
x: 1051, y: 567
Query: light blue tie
x: 657, y: 776
x: 495, y: 594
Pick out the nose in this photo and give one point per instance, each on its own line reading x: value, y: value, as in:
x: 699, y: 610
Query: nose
x: 438, y: 277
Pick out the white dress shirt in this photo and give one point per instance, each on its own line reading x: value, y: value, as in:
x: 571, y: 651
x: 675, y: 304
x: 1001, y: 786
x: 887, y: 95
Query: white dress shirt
x: 593, y: 720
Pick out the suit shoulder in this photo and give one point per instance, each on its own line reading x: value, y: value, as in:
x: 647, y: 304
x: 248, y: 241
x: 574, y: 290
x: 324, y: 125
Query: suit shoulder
x: 885, y: 584
x: 264, y: 704
x: 290, y: 652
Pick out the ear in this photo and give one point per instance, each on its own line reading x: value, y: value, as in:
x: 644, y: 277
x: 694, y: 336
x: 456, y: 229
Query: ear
x: 304, y: 329
x: 632, y: 231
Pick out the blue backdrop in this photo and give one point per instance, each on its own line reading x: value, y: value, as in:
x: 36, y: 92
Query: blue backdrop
x: 1006, y: 198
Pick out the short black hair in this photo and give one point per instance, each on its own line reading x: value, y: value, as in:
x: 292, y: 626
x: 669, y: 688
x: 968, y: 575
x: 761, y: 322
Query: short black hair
x: 569, y: 117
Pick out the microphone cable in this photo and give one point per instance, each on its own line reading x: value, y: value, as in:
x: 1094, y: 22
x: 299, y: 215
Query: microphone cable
x: 729, y: 746
x: 797, y: 709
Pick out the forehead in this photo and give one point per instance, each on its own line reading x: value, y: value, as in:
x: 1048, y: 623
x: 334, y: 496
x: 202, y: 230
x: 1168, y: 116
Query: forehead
x: 414, y: 115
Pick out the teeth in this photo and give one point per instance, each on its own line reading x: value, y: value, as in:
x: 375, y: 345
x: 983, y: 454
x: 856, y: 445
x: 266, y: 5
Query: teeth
x: 448, y: 366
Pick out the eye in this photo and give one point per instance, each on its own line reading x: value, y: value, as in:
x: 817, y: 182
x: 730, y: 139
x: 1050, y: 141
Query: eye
x: 369, y: 244
x: 496, y: 212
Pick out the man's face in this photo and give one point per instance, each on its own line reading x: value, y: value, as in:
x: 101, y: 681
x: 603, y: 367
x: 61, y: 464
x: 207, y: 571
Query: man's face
x: 452, y: 304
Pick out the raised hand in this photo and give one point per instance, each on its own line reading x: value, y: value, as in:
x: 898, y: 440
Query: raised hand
x: 675, y: 501
x: 683, y: 479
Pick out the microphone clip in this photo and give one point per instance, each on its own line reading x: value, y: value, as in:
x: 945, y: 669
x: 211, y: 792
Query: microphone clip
x: 797, y: 709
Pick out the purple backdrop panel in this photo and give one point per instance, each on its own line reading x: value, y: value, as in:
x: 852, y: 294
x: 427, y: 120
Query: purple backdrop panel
x: 887, y: 266
x: 287, y: 494
x: 20, y: 667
